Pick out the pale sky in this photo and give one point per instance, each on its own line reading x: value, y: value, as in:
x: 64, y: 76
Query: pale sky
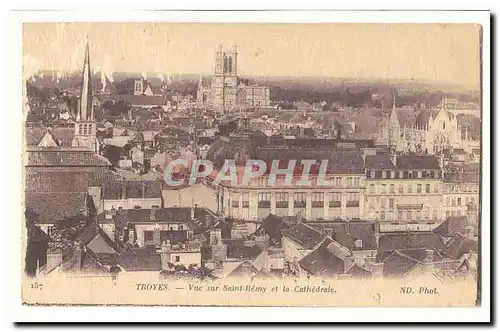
x: 438, y: 52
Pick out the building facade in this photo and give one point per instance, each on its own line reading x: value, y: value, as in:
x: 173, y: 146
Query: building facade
x: 225, y: 90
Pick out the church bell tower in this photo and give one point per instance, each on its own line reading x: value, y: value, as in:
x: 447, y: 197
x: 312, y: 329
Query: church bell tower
x: 85, y: 126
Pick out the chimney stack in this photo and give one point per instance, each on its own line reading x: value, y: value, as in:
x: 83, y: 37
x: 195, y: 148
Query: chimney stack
x: 165, y: 255
x: 54, y: 259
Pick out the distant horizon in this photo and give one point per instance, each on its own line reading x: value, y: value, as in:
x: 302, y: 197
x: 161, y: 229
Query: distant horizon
x: 447, y: 53
x: 341, y: 80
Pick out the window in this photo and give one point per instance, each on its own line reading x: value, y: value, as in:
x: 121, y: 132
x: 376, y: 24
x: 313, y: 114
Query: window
x: 338, y: 181
x: 400, y: 188
x: 335, y: 199
x: 382, y: 215
x: 391, y: 202
x: 434, y: 214
x: 436, y: 188
x: 245, y: 199
x: 349, y: 181
x: 473, y: 200
x: 372, y: 189
x: 352, y: 200
x: 317, y: 200
x: 410, y: 215
x: 459, y: 201
x: 235, y: 203
x: 391, y: 188
x: 428, y: 188
x: 447, y: 214
x: 410, y: 189
x: 453, y: 202
x: 282, y: 200
x: 356, y: 182
x: 177, y: 258
x: 50, y: 230
x: 426, y: 214
x: 418, y: 215
x: 384, y: 189
x: 148, y: 236
x: 388, y: 174
x: 400, y: 215
x: 419, y: 188
x: 299, y: 200
x: 264, y: 200
x: 382, y: 202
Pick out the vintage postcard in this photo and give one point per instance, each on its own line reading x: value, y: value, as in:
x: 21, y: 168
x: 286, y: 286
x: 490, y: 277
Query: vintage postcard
x: 312, y: 164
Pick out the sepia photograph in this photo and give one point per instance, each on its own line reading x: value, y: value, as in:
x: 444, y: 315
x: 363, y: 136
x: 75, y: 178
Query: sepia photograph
x: 252, y: 164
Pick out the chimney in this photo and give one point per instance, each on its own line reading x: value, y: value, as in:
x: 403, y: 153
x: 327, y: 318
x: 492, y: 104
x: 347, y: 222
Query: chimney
x: 329, y: 232
x: 428, y: 260
x: 131, y: 236
x: 192, y: 213
x: 377, y: 269
x: 152, y: 213
x: 77, y: 252
x: 54, y: 259
x: 166, y: 249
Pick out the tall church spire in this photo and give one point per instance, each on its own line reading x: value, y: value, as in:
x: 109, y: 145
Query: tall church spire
x: 86, y: 112
x: 85, y: 127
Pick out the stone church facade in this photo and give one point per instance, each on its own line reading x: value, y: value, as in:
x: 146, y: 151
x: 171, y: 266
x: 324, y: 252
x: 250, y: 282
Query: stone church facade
x: 431, y: 131
x: 225, y: 91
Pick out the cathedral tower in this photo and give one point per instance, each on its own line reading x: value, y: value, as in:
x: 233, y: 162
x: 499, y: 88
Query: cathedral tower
x: 85, y: 126
x: 225, y: 80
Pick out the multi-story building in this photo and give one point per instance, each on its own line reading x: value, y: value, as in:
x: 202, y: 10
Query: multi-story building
x: 225, y: 89
x: 460, y: 189
x: 404, y: 192
x: 341, y: 197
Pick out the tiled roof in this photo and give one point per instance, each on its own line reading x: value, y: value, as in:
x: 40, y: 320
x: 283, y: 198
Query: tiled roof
x: 423, y: 117
x: 459, y: 245
x: 451, y: 226
x: 417, y: 162
x: 51, y: 207
x: 323, y: 262
x: 358, y: 272
x: 406, y: 117
x: 340, y: 161
x: 142, y: 100
x: 398, y: 264
x: 416, y: 240
x: 379, y: 161
x: 64, y: 157
x: 64, y: 135
x: 140, y: 259
x: 462, y: 177
x: 346, y: 233
x: 236, y: 249
x: 304, y: 235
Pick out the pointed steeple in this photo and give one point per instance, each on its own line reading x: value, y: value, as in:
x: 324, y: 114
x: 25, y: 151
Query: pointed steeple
x: 85, y: 112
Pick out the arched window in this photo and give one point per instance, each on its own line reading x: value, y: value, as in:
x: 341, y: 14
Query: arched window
x: 444, y: 125
x: 230, y: 64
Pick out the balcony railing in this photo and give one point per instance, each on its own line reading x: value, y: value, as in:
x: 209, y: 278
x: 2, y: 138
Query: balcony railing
x: 282, y: 205
x: 410, y: 206
x: 352, y: 204
x: 334, y: 204
x: 245, y: 204
x: 317, y: 204
x: 299, y: 204
x: 264, y: 204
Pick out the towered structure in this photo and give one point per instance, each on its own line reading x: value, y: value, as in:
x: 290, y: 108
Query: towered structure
x: 85, y: 126
x: 430, y: 131
x: 226, y: 90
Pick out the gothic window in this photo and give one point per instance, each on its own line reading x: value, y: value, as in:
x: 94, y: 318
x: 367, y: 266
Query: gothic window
x: 444, y: 125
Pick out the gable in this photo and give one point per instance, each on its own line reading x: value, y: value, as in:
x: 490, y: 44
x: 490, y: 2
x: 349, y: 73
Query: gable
x: 99, y: 245
x: 48, y: 140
